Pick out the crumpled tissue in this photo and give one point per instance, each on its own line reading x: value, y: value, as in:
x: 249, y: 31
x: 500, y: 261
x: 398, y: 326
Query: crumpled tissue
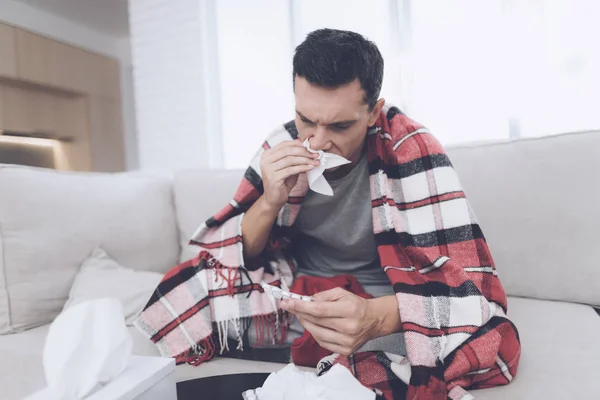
x: 292, y: 383
x: 316, y: 180
x: 88, y: 345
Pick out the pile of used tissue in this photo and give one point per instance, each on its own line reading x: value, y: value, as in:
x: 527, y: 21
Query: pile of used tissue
x: 293, y: 384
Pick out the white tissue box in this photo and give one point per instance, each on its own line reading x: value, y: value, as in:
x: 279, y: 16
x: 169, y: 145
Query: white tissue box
x: 145, y: 378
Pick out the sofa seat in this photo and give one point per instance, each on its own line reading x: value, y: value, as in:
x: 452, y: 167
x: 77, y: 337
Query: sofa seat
x: 22, y: 371
x: 560, y: 352
x: 560, y: 360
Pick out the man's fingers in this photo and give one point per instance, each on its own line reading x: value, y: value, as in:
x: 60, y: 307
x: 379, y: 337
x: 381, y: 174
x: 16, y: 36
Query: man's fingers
x: 295, y: 149
x: 285, y: 173
x: 328, y: 339
x: 283, y: 145
x: 288, y: 143
x: 322, y: 333
x: 336, y: 324
x: 330, y: 295
x: 268, y: 153
x: 320, y: 309
x: 291, y: 161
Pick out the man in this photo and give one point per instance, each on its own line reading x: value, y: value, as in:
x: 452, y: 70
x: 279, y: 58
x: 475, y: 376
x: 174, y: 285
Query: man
x: 335, y: 105
x: 398, y: 222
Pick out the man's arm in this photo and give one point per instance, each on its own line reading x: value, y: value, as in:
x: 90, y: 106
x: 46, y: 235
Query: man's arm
x: 385, y: 310
x: 256, y: 227
x: 342, y: 322
x: 280, y: 167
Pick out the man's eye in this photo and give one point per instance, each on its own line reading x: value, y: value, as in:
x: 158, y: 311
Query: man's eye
x: 306, y: 121
x: 340, y: 127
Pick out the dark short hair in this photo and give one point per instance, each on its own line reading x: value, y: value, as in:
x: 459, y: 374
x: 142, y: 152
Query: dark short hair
x: 332, y: 58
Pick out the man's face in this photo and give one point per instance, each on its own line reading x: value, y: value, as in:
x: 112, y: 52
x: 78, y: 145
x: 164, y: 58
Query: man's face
x: 334, y: 120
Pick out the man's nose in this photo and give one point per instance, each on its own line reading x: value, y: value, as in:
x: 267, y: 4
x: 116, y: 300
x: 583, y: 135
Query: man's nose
x: 319, y: 139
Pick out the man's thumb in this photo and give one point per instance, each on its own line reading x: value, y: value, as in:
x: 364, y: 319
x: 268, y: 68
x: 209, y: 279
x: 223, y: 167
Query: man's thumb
x: 330, y: 295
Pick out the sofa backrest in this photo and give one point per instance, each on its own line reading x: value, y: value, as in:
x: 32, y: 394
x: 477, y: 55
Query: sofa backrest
x: 198, y: 195
x: 51, y: 221
x: 538, y: 204
x: 537, y: 200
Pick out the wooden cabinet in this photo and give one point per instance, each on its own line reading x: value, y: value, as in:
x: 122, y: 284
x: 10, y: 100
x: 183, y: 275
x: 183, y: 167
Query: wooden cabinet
x: 48, y: 62
x: 16, y: 110
x: 33, y: 57
x: 8, y: 53
x: 51, y: 87
x: 68, y: 67
x: 107, y: 141
x: 1, y: 108
x: 27, y: 110
x: 76, y: 154
x: 106, y: 76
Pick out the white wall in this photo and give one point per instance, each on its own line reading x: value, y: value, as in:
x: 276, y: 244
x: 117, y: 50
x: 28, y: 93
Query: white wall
x: 255, y: 71
x: 128, y: 106
x: 256, y: 46
x: 56, y: 27
x: 167, y: 83
x: 176, y: 112
x: 213, y: 77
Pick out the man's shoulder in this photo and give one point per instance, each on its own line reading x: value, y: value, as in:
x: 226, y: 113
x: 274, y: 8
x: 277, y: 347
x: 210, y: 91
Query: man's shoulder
x: 285, y: 131
x: 409, y: 139
x: 399, y: 125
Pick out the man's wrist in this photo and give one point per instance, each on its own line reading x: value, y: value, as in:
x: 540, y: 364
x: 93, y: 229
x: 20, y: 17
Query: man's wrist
x: 267, y: 208
x: 385, y: 312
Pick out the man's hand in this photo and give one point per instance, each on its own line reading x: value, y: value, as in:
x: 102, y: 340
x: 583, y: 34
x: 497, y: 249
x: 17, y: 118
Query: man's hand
x: 280, y: 167
x: 339, y: 320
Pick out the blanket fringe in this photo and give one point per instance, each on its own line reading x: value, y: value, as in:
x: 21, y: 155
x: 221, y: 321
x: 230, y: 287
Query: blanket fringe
x: 257, y: 321
x: 270, y: 327
x: 230, y: 275
x: 203, y: 351
x: 222, y: 330
x: 239, y: 326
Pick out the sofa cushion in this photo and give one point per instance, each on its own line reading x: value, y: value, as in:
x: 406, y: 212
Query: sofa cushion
x: 560, y: 352
x: 100, y: 277
x: 198, y: 195
x: 21, y: 368
x: 22, y: 371
x: 538, y: 203
x: 51, y: 221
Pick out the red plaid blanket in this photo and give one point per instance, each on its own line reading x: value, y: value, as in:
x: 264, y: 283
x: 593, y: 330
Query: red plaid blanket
x: 452, y: 305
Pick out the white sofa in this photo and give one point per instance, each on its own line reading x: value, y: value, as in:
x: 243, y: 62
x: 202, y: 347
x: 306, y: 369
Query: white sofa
x: 538, y: 202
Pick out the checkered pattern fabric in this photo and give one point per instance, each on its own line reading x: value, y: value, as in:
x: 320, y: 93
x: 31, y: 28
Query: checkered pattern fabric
x: 451, y: 303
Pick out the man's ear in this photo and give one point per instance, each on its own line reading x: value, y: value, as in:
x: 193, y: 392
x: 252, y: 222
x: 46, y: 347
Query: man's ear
x: 374, y: 114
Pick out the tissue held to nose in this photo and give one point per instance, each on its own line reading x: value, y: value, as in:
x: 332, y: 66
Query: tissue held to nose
x: 319, y: 152
x: 316, y: 180
x: 87, y: 346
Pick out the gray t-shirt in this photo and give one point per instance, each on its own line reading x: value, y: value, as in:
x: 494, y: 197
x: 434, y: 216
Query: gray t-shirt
x: 335, y: 233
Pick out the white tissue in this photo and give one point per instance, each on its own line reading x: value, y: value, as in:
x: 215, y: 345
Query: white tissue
x: 87, y: 346
x: 316, y: 180
x: 293, y: 384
